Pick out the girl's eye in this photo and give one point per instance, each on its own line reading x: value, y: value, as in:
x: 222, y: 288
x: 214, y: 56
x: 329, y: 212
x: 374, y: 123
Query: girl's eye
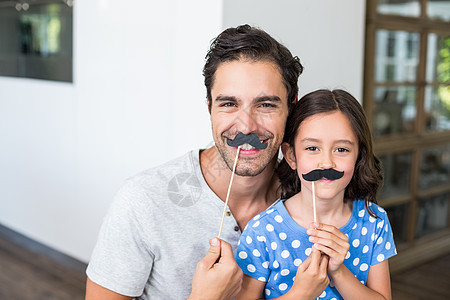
x: 312, y: 148
x: 341, y: 150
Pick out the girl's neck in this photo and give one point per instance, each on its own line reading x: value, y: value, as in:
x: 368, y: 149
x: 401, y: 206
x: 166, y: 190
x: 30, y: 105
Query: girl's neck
x: 334, y: 212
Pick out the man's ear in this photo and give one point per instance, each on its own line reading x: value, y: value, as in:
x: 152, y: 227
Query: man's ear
x: 208, y: 103
x: 289, y: 155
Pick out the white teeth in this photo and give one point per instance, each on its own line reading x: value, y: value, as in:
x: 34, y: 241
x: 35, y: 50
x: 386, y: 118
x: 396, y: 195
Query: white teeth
x: 247, y: 146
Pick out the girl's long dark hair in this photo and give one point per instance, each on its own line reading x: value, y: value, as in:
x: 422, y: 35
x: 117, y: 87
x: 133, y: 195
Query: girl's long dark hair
x: 367, y: 178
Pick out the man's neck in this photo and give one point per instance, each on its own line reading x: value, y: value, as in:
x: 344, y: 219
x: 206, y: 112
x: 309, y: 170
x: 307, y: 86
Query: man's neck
x: 249, y: 195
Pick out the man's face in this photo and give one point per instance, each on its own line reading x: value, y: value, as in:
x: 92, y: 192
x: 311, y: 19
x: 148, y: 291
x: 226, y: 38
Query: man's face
x: 248, y: 97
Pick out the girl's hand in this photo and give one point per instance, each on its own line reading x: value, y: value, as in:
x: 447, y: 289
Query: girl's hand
x: 311, y: 278
x: 330, y: 241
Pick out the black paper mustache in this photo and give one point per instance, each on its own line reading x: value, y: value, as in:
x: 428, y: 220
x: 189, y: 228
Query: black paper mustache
x: 330, y: 174
x: 251, y: 138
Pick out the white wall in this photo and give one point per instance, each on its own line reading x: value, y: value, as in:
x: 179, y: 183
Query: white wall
x: 327, y: 36
x: 66, y: 148
x: 138, y: 100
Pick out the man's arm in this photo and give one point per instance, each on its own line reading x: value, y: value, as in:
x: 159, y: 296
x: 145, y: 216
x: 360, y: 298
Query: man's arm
x: 217, y: 276
x: 97, y: 292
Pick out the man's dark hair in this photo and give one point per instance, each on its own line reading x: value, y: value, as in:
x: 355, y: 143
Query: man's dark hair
x: 247, y: 42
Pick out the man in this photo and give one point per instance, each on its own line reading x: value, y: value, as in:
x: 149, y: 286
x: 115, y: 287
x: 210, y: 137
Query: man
x: 154, y: 236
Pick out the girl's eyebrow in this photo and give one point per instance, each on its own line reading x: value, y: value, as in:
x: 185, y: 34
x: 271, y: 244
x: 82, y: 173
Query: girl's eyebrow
x: 345, y: 142
x: 309, y: 140
x: 313, y: 140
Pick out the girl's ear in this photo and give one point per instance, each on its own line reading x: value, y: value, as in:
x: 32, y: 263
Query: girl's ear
x: 289, y: 155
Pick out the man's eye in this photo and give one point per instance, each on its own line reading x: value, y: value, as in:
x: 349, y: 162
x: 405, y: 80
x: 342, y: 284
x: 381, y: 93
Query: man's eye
x: 268, y: 105
x: 228, y: 104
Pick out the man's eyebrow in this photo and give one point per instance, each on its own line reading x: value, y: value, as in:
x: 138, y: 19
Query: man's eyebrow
x: 223, y: 98
x: 268, y: 99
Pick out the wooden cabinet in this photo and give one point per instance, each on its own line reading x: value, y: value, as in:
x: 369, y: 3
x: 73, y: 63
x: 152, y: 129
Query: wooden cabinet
x: 407, y: 101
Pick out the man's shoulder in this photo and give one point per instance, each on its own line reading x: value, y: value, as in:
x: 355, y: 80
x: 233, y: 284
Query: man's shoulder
x: 186, y: 163
x: 157, y: 180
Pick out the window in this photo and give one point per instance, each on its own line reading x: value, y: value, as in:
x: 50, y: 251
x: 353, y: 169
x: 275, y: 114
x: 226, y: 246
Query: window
x: 36, y: 39
x: 407, y: 101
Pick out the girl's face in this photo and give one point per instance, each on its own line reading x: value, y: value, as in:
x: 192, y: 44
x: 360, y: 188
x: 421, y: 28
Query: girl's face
x: 324, y: 141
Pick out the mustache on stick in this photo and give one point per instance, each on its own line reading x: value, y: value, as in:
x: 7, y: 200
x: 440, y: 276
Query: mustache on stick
x: 251, y: 138
x: 330, y: 174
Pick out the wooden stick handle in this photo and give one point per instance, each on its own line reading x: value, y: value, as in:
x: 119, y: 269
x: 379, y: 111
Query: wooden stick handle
x: 228, y: 193
x: 314, y: 202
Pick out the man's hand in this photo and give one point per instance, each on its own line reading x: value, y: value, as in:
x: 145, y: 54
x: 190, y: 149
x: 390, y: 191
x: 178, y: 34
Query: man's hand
x: 217, y: 275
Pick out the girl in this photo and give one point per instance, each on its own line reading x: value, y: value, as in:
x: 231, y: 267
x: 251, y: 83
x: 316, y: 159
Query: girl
x: 343, y: 255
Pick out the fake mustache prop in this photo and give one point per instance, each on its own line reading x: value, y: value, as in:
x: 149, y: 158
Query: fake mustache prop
x: 251, y: 138
x: 330, y: 174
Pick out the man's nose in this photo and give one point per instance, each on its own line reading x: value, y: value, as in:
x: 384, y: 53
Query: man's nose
x: 247, y: 121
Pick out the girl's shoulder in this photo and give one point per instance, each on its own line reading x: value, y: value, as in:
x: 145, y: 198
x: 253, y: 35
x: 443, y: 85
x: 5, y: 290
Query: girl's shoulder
x: 360, y: 209
x: 377, y: 216
x: 263, y: 217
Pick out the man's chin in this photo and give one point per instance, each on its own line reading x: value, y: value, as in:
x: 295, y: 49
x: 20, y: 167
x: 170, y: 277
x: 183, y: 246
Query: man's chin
x: 249, y: 172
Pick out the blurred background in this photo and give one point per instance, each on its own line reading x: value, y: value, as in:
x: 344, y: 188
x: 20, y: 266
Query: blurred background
x: 92, y: 92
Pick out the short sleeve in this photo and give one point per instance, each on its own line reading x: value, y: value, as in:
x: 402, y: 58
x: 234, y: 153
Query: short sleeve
x: 120, y: 261
x: 251, y: 255
x: 383, y: 239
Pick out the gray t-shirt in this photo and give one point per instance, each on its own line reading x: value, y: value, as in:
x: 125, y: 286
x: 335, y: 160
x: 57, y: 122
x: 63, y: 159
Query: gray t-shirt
x: 156, y: 231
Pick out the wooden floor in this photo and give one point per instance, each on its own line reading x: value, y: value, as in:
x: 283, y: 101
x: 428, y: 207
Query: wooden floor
x: 430, y: 281
x: 30, y: 271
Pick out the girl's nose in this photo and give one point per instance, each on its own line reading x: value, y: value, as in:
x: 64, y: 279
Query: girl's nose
x: 326, y: 161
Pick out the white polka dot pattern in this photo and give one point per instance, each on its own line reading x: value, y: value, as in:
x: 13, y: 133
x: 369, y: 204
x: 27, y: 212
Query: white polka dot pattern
x: 284, y: 272
x: 251, y: 268
x: 364, y: 231
x: 273, y: 247
x: 285, y: 254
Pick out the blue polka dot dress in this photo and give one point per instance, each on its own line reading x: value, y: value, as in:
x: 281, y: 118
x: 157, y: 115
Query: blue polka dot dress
x: 273, y: 245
